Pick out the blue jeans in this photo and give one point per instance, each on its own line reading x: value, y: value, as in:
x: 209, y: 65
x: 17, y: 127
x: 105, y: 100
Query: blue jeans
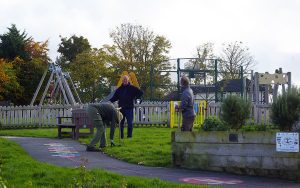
x: 128, y: 114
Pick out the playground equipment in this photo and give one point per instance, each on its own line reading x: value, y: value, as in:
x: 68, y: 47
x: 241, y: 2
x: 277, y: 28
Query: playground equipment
x: 204, y: 72
x: 258, y: 88
x: 132, y: 79
x: 189, y: 72
x: 270, y: 84
x: 175, y: 116
x: 209, y: 74
x: 57, y: 89
x: 262, y: 88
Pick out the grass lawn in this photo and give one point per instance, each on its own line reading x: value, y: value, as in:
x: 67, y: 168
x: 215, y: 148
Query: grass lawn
x: 149, y: 146
x: 18, y: 169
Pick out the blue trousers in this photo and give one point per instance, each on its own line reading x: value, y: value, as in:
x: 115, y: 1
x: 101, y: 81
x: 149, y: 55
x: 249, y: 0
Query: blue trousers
x: 128, y: 114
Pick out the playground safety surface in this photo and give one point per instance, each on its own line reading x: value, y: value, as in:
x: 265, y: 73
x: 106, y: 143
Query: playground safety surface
x: 69, y: 153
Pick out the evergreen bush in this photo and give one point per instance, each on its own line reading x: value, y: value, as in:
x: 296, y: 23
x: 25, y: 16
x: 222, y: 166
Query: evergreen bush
x: 235, y: 111
x: 286, y: 109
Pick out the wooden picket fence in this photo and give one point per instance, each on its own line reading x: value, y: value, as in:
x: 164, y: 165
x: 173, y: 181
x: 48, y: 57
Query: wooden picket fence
x: 260, y: 113
x: 35, y: 116
x: 145, y: 114
x: 153, y: 113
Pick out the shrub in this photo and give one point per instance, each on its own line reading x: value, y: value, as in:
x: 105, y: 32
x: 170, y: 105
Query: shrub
x: 235, y: 111
x: 250, y: 128
x: 286, y: 109
x: 214, y: 124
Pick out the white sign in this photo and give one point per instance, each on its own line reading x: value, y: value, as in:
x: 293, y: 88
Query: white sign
x: 287, y: 142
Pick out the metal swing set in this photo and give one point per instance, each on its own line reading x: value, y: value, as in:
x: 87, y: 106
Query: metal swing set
x: 57, y: 90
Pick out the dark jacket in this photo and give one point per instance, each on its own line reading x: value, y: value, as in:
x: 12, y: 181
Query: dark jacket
x: 125, y: 95
x: 187, y: 102
x: 108, y: 113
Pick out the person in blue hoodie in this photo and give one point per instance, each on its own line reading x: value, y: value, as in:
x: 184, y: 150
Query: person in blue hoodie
x: 126, y: 94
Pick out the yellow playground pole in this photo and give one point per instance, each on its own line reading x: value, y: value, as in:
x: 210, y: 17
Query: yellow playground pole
x: 134, y: 80
x: 172, y: 114
x: 200, y: 115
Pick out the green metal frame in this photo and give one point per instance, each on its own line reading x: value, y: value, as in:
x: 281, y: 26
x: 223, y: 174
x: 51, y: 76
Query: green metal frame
x: 192, y: 72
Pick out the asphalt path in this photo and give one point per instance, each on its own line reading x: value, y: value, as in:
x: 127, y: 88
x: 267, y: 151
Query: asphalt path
x: 69, y: 153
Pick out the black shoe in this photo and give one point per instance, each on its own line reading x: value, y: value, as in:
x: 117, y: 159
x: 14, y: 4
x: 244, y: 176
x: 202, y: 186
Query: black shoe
x: 112, y: 143
x: 91, y: 148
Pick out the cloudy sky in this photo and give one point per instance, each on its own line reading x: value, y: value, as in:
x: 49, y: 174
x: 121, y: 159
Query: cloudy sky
x: 270, y: 28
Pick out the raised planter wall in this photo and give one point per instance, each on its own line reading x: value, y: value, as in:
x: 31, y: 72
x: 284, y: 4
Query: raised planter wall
x: 252, y: 153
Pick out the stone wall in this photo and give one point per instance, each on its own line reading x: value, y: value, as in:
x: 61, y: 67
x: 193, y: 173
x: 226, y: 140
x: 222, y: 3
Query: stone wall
x: 252, y: 153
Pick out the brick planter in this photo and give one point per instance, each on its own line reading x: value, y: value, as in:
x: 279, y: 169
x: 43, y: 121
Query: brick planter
x: 252, y: 153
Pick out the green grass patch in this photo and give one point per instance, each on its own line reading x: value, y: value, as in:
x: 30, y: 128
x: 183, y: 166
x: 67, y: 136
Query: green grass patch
x: 20, y: 170
x: 148, y: 146
x: 35, y: 132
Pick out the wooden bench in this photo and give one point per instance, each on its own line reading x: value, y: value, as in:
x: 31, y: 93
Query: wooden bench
x: 79, y: 120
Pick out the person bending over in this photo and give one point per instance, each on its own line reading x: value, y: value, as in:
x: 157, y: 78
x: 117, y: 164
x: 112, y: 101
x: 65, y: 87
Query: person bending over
x: 102, y: 115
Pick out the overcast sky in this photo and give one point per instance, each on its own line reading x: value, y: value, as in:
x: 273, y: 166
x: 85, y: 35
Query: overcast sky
x: 270, y: 28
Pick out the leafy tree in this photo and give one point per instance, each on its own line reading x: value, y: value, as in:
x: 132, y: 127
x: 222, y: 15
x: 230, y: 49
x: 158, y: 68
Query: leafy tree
x: 286, y: 109
x: 69, y: 48
x: 233, y: 56
x: 235, y: 111
x: 12, y: 44
x: 38, y: 50
x: 8, y: 81
x: 90, y: 73
x: 139, y: 49
x: 116, y: 66
x: 15, y: 91
x: 29, y: 60
x: 29, y: 73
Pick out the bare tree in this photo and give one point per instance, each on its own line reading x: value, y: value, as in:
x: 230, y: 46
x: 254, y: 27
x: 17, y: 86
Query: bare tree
x: 233, y: 56
x: 202, y: 61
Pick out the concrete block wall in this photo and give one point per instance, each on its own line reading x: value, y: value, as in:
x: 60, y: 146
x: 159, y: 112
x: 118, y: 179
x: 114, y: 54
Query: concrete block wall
x: 252, y: 153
